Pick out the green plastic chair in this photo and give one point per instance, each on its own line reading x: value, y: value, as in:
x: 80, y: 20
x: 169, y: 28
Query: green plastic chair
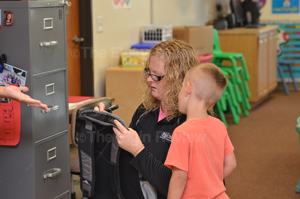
x: 228, y: 99
x: 219, y: 56
x: 230, y: 89
x: 219, y: 110
x: 298, y: 130
x: 240, y: 91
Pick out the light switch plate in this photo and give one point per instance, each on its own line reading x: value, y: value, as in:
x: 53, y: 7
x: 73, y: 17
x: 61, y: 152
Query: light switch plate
x: 99, y: 24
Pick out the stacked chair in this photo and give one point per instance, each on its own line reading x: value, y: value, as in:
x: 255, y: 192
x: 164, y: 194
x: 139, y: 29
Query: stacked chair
x: 237, y: 91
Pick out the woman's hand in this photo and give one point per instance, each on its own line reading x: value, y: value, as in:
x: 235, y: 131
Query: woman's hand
x: 15, y: 93
x: 100, y: 108
x: 128, y: 140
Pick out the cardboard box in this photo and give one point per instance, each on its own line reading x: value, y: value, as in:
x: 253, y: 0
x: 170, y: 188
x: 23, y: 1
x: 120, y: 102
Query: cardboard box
x: 199, y: 37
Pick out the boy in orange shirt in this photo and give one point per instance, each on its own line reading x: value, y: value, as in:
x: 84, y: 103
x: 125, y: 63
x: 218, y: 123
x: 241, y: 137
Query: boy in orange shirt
x: 201, y: 154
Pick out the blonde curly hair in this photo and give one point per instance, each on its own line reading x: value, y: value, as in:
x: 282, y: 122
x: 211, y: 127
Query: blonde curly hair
x: 179, y: 58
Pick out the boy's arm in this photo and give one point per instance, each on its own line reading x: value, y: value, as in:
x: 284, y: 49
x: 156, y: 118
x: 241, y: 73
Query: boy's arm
x: 229, y: 165
x: 177, y: 183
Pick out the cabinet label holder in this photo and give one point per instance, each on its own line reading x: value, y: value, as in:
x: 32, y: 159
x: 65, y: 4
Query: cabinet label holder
x: 48, y: 154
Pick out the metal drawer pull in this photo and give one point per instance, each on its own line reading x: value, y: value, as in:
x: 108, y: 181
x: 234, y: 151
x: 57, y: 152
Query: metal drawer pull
x: 51, y: 22
x: 48, y: 154
x: 51, y: 108
x: 68, y: 3
x: 51, y: 173
x: 48, y: 43
x: 51, y: 90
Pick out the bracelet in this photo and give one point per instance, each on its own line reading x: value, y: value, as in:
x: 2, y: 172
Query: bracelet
x: 138, y: 150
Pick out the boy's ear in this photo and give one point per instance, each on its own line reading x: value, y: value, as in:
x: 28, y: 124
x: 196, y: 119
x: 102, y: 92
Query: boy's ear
x: 188, y: 89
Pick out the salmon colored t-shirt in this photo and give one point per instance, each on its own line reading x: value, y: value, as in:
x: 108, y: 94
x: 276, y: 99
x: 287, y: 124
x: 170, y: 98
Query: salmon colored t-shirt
x: 199, y: 147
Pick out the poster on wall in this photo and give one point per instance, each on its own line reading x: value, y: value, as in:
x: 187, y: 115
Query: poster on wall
x: 121, y: 4
x: 285, y: 6
x: 288, y: 38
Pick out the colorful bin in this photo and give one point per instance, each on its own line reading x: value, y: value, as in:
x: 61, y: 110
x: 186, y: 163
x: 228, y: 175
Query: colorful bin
x: 135, y: 58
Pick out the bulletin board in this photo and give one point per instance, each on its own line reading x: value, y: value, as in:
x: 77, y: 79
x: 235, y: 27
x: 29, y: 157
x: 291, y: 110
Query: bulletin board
x: 288, y: 47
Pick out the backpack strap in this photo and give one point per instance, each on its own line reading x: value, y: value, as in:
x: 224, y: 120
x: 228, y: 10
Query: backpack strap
x: 86, y: 139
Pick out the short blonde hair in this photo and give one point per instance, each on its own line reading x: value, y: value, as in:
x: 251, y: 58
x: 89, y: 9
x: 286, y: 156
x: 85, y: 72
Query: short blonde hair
x: 179, y: 57
x: 209, y: 82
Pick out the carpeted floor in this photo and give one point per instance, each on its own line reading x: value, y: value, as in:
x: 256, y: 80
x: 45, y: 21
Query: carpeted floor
x: 267, y: 150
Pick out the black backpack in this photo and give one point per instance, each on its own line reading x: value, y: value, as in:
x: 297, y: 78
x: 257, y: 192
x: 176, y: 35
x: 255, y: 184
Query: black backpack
x: 98, y: 154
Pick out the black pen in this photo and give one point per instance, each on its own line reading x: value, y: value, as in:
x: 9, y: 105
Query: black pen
x: 110, y: 109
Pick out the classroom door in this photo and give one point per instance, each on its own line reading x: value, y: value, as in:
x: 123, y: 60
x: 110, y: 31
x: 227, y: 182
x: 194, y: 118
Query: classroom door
x: 73, y: 48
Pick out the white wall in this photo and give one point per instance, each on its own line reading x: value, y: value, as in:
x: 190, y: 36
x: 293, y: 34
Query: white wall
x: 122, y: 27
x: 121, y: 31
x: 183, y: 12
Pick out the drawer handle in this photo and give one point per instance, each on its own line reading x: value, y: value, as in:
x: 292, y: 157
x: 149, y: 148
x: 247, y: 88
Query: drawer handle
x: 48, y: 43
x: 68, y: 3
x: 51, y: 108
x: 51, y: 173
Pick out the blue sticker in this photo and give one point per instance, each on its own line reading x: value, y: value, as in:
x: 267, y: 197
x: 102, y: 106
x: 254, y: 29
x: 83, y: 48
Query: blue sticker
x: 285, y: 6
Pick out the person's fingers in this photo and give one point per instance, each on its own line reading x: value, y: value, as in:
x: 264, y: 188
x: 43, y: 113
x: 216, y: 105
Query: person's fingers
x: 44, y: 106
x: 120, y: 126
x: 130, y: 129
x: 117, y: 132
x: 101, y: 106
x: 25, y: 89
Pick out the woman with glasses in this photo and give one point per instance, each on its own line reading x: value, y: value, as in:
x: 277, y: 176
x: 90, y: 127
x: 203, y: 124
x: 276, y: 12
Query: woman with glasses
x: 146, y: 143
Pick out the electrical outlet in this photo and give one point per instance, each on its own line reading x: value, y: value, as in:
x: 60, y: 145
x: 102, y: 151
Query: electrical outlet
x: 99, y: 24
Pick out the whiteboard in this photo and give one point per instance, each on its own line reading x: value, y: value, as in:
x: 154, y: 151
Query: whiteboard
x: 182, y: 12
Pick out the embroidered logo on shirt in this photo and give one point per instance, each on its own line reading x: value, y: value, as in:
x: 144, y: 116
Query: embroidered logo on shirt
x: 166, y: 136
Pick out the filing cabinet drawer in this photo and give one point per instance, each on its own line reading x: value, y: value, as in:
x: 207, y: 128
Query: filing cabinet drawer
x: 47, y: 39
x: 51, y: 90
x: 51, y: 168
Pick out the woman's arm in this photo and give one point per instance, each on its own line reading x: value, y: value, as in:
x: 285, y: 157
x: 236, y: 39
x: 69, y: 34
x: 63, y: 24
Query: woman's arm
x: 156, y: 173
x: 144, y: 162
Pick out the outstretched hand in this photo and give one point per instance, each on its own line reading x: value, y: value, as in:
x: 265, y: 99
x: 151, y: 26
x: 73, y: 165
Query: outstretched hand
x: 15, y: 93
x: 128, y: 139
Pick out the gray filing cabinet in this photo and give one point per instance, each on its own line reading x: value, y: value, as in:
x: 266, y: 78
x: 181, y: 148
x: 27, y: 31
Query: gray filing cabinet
x: 37, y: 43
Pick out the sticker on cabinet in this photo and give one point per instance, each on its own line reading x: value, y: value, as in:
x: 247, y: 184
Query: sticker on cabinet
x: 8, y: 18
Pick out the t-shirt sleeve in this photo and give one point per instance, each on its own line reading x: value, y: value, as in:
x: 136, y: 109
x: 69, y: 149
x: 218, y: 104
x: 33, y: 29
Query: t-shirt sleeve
x: 228, y: 147
x: 178, y: 155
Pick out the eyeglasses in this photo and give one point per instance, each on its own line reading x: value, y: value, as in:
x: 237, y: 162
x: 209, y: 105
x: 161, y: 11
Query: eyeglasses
x: 154, y: 77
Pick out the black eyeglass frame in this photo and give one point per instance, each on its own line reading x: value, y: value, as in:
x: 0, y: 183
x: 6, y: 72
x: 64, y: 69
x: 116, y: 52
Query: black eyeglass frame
x: 147, y: 70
